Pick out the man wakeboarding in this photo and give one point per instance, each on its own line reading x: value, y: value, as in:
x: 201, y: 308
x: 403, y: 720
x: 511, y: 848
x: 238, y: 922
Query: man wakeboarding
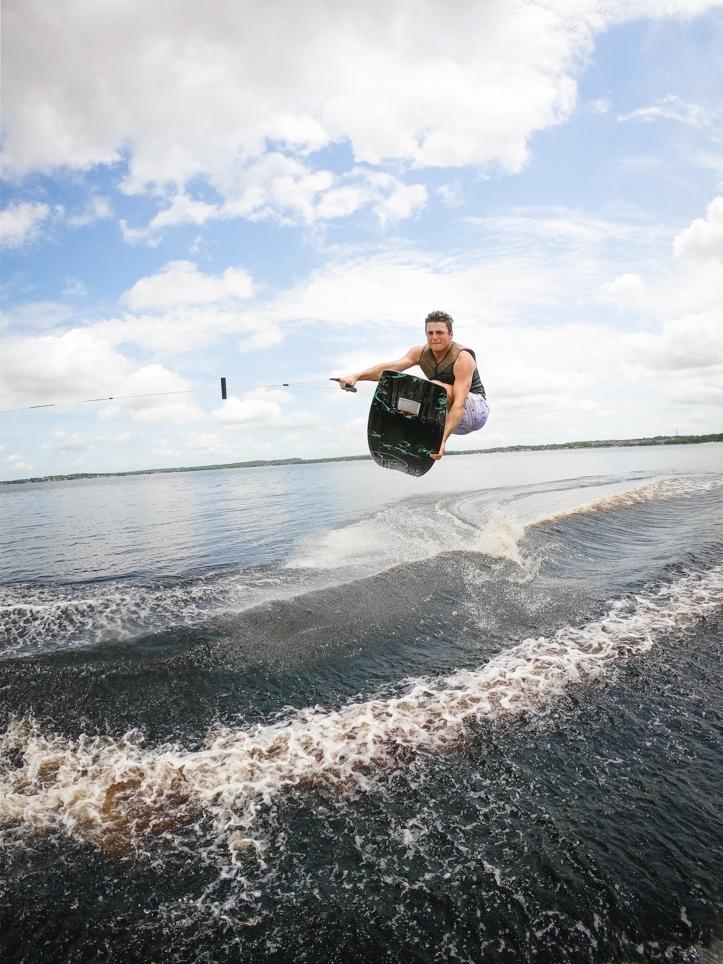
x: 445, y: 363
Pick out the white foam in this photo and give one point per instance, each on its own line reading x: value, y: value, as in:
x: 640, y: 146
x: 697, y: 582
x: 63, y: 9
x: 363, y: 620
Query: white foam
x: 412, y: 532
x: 637, y: 495
x: 114, y: 791
x: 500, y: 537
x: 43, y: 618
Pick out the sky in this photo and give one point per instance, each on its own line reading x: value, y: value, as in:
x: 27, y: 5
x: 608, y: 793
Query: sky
x: 280, y: 192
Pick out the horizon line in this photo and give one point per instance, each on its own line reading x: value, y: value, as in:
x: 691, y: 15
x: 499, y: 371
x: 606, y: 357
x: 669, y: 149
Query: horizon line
x: 261, y: 463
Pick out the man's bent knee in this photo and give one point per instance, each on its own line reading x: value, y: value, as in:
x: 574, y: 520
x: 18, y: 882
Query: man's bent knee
x: 476, y: 412
x: 448, y: 388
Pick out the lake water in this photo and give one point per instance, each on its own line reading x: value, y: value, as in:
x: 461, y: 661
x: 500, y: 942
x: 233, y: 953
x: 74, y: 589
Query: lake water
x: 328, y: 712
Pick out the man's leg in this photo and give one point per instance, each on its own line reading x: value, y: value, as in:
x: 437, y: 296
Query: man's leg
x: 476, y: 413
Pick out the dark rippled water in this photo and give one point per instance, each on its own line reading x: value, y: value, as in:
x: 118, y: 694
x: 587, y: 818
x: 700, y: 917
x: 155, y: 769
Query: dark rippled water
x: 328, y: 713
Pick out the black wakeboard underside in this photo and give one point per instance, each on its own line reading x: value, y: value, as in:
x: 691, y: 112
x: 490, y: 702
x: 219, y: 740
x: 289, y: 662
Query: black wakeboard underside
x: 406, y: 422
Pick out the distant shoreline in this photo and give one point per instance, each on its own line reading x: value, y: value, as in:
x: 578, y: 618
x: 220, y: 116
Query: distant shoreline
x: 260, y: 463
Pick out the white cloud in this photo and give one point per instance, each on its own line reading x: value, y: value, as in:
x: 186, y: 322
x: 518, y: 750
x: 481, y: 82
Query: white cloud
x: 182, y: 210
x: 224, y: 95
x: 601, y: 105
x: 168, y: 450
x: 181, y: 283
x: 693, y: 342
x: 38, y: 315
x: 710, y: 160
x: 620, y: 11
x: 401, y: 203
x: 261, y: 334
x: 681, y: 367
x: 391, y: 199
x: 567, y: 225
x: 185, y: 330
x: 255, y: 411
x: 97, y: 209
x: 21, y: 223
x: 164, y: 397
x: 209, y: 443
x: 452, y: 194
x: 589, y: 249
x: 339, y: 202
x: 60, y: 366
x: 627, y: 291
x: 77, y: 364
x: 674, y: 108
x: 381, y: 77
x: 141, y: 235
x: 275, y: 186
x: 263, y: 409
x: 68, y: 442
x: 74, y: 288
x: 188, y: 93
x: 696, y: 394
x: 284, y: 189
x: 703, y: 240
x: 18, y: 463
x: 690, y: 284
x: 488, y: 284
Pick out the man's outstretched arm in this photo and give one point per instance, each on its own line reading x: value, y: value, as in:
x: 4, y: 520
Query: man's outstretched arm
x: 374, y: 373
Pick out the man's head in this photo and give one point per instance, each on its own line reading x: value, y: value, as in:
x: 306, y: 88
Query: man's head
x: 440, y: 317
x: 438, y: 329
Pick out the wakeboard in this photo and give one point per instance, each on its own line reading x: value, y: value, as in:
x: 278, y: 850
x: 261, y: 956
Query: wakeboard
x: 406, y: 422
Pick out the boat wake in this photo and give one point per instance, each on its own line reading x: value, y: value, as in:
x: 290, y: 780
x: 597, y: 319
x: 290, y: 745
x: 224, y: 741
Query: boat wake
x: 114, y: 791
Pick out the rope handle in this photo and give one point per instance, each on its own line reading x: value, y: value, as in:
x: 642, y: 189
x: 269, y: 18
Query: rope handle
x: 348, y: 388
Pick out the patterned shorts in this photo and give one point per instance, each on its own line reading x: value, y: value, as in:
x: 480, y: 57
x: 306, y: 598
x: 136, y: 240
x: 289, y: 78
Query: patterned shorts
x: 476, y: 412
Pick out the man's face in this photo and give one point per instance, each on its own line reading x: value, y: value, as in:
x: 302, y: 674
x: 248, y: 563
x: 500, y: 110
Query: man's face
x: 438, y: 338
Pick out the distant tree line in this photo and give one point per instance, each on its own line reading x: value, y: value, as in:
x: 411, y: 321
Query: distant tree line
x: 596, y: 444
